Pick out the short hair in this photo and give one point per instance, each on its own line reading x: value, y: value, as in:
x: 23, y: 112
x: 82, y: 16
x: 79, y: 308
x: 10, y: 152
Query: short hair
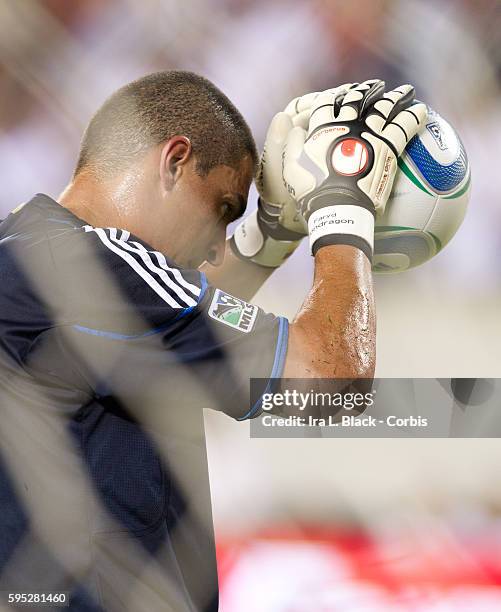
x: 156, y: 107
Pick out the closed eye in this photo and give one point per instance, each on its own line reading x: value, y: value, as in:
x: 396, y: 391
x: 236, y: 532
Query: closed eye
x: 232, y: 209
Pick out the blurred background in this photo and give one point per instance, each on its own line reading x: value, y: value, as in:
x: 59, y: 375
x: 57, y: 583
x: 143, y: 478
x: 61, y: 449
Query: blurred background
x: 309, y: 525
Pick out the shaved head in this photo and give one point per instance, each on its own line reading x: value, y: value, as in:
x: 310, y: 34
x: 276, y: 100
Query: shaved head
x: 153, y: 109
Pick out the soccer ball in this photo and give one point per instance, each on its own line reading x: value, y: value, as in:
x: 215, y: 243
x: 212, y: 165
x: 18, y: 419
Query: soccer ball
x: 428, y: 200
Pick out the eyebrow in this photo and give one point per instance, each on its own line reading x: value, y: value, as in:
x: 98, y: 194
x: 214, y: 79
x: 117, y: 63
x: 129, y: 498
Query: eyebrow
x: 238, y: 204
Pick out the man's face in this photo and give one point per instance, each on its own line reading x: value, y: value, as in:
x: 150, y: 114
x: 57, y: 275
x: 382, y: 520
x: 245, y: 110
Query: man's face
x: 198, y: 210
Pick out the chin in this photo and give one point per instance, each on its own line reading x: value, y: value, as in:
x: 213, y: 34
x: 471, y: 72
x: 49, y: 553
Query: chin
x: 191, y: 262
x: 189, y: 259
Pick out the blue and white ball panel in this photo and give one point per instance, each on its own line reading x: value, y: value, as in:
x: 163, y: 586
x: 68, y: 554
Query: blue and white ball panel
x: 428, y: 201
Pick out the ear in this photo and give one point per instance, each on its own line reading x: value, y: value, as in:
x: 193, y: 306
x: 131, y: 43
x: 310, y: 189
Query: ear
x: 175, y: 154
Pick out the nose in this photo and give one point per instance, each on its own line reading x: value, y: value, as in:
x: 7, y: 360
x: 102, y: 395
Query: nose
x: 215, y: 254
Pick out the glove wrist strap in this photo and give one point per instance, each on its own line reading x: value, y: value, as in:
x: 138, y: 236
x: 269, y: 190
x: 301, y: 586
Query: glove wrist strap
x: 342, y: 224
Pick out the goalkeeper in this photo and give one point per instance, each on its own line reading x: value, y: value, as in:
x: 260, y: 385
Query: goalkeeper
x: 125, y: 312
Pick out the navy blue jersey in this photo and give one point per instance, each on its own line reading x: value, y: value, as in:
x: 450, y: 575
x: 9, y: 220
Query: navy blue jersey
x: 108, y: 354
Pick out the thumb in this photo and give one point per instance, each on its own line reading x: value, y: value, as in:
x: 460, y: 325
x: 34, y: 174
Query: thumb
x: 279, y: 128
x: 297, y: 180
x: 269, y: 179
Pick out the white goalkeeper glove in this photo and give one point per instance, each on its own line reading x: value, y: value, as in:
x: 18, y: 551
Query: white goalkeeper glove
x: 271, y: 233
x: 341, y: 170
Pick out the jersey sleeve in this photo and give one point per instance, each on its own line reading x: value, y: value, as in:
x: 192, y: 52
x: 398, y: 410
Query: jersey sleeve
x: 137, y: 327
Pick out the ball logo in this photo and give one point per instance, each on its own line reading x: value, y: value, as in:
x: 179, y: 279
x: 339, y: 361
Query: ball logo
x: 436, y: 131
x: 350, y: 157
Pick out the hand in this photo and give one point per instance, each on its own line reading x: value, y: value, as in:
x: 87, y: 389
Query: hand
x: 270, y: 234
x: 341, y: 170
x: 277, y: 208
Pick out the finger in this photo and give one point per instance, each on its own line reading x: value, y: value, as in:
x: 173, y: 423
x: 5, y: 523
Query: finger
x: 374, y: 91
x: 280, y: 126
x: 420, y: 112
x: 300, y: 108
x: 290, y: 109
x: 379, y: 115
x: 367, y: 89
x: 340, y: 93
x: 345, y: 103
x: 408, y: 122
x: 322, y: 110
x: 369, y: 83
x: 340, y: 89
x: 353, y: 95
x: 384, y: 107
x: 403, y: 97
x: 301, y: 103
x: 377, y: 121
x: 327, y: 107
x: 396, y: 135
x: 346, y: 110
x: 297, y: 180
x: 302, y: 119
x: 395, y: 101
x: 270, y: 167
x: 396, y: 117
x: 293, y: 148
x: 403, y: 127
x: 360, y: 98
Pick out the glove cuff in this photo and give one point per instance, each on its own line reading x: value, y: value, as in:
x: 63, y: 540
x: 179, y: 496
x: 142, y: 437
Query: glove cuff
x: 251, y: 243
x: 342, y: 224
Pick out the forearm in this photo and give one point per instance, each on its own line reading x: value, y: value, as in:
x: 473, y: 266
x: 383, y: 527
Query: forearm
x: 241, y: 278
x: 334, y: 333
x: 340, y: 172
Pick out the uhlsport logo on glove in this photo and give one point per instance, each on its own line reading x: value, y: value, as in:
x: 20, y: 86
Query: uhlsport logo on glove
x: 232, y: 311
x: 350, y: 157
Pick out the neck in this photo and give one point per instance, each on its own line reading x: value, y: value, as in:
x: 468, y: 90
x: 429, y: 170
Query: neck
x: 112, y: 203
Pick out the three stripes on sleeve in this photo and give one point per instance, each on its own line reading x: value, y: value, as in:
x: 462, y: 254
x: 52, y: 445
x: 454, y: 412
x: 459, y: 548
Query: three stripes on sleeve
x: 166, y: 281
